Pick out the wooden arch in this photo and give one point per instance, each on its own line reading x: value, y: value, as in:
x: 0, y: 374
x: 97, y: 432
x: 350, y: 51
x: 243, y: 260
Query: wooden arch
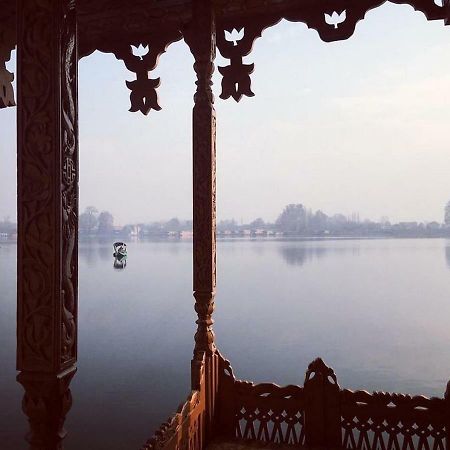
x: 51, y: 36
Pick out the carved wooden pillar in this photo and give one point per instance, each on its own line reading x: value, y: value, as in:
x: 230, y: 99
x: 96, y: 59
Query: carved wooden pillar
x: 47, y: 214
x: 201, y: 39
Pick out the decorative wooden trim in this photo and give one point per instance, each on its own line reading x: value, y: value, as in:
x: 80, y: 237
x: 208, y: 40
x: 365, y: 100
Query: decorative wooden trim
x: 201, y: 38
x: 185, y: 429
x: 7, y: 44
x: 332, y: 19
x: 47, y: 213
x: 320, y: 414
x: 143, y: 96
x: 385, y: 420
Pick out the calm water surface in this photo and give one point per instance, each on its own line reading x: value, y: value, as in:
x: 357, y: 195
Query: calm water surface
x: 377, y: 311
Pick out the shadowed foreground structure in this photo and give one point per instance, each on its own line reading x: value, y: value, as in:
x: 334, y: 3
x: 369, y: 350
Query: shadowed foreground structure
x: 220, y: 412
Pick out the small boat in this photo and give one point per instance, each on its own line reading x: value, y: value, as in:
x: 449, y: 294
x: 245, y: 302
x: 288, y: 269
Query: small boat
x: 120, y: 250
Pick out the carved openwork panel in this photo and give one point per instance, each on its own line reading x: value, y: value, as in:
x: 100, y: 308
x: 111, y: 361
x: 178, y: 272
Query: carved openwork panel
x: 262, y: 412
x: 7, y: 44
x: 392, y: 421
x: 240, y: 23
x: 235, y: 41
x: 143, y: 96
x: 270, y: 413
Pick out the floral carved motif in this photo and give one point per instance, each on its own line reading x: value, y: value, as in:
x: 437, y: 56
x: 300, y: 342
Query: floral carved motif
x: 47, y: 185
x: 69, y: 185
x: 234, y: 43
x: 241, y: 23
x: 143, y: 96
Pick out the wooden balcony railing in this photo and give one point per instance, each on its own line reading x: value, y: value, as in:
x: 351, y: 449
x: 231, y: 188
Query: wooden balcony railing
x: 316, y: 415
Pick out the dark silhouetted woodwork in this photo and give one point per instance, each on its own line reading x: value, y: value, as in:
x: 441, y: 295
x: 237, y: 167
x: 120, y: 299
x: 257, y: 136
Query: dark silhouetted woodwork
x: 220, y: 411
x: 321, y: 415
x: 7, y: 44
x: 47, y: 214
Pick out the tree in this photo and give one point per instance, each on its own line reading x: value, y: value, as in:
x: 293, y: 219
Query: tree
x: 257, y: 223
x: 88, y: 220
x: 447, y: 214
x: 319, y: 221
x: 292, y: 219
x: 105, y: 223
x: 172, y: 225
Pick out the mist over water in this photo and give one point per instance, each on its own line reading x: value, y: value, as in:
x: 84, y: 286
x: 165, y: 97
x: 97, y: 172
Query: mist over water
x: 376, y: 310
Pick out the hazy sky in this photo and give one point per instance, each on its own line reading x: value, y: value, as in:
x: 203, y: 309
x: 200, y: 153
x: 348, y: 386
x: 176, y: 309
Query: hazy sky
x: 354, y: 126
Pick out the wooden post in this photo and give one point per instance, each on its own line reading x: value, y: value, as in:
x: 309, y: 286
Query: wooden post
x: 201, y: 38
x: 447, y: 419
x: 322, y: 407
x: 202, y: 42
x: 47, y: 191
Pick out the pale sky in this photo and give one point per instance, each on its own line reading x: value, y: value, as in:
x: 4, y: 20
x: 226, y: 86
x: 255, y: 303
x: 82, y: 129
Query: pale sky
x: 355, y: 126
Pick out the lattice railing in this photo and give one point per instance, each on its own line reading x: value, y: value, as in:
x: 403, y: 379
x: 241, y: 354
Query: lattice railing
x: 269, y: 413
x: 392, y: 421
x: 320, y: 414
x: 317, y: 415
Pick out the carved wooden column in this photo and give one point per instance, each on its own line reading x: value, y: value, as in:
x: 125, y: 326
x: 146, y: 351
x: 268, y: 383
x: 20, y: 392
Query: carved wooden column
x: 201, y: 37
x: 47, y: 214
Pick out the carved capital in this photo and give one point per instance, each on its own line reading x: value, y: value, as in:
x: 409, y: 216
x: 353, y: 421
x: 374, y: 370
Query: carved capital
x: 46, y: 402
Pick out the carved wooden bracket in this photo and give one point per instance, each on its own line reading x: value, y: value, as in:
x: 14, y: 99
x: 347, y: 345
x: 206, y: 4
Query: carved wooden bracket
x: 334, y: 20
x: 7, y: 44
x: 234, y: 43
x: 143, y: 96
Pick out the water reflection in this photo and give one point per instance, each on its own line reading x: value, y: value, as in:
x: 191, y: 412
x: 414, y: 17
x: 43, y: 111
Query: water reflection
x: 104, y: 251
x: 120, y: 262
x: 299, y: 255
x: 88, y: 253
x: 94, y: 250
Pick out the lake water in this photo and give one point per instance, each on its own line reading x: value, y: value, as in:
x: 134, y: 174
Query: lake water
x: 377, y: 311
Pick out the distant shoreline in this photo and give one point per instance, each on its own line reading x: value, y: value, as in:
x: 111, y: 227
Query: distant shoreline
x: 113, y: 238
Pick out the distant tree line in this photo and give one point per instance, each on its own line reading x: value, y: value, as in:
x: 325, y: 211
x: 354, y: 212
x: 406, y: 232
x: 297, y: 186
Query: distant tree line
x: 297, y: 220
x: 294, y: 220
x: 91, y: 222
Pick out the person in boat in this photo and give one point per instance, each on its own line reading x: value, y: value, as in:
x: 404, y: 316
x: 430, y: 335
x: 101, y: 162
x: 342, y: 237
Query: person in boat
x: 120, y: 249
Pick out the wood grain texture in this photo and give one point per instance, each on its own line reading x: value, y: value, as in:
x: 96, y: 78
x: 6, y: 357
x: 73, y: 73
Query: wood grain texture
x: 47, y: 214
x: 200, y: 37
